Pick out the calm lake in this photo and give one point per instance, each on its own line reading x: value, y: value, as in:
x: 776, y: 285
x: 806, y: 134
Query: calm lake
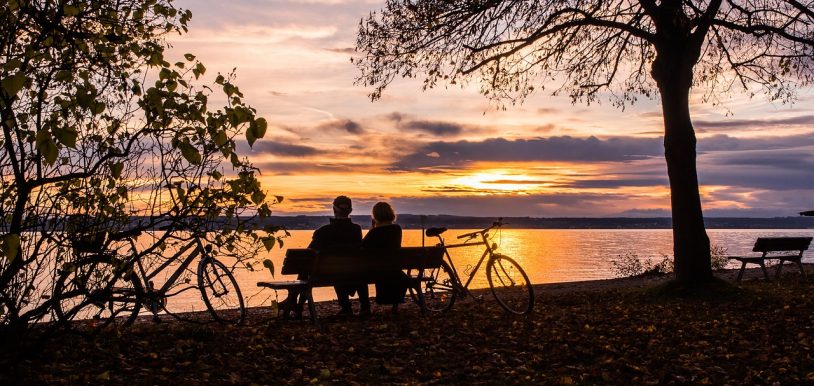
x: 547, y: 255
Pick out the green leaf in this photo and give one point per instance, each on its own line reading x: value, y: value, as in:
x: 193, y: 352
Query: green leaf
x: 268, y: 263
x: 11, y: 245
x: 13, y: 84
x: 261, y: 126
x: 250, y: 137
x: 220, y: 138
x: 199, y: 70
x: 98, y: 108
x: 116, y: 170
x: 63, y: 76
x: 66, y: 136
x: 46, y: 146
x: 258, y: 197
x: 190, y: 153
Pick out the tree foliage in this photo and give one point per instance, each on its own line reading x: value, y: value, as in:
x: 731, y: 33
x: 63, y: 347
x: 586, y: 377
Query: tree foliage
x: 588, y: 50
x: 581, y: 48
x: 102, y: 132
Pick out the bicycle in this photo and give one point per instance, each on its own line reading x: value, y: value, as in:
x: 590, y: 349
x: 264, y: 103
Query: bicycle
x: 507, y: 280
x: 113, y: 289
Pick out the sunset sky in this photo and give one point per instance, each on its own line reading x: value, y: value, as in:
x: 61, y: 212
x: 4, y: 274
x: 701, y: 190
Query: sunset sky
x: 449, y: 151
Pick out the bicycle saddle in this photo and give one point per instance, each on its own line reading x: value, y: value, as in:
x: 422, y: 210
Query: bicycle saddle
x: 435, y: 231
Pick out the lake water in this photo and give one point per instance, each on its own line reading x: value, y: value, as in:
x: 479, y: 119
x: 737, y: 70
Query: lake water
x: 547, y: 255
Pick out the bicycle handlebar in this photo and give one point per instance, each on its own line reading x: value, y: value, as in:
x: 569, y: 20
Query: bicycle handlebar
x: 497, y: 224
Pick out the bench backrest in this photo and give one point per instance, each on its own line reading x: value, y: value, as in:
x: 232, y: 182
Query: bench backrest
x: 780, y: 244
x: 347, y: 265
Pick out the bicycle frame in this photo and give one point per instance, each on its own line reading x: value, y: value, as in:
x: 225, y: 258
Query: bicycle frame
x: 489, y: 251
x: 147, y: 277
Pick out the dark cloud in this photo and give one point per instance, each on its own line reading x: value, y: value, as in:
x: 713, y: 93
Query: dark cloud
x: 768, y: 170
x: 547, y: 110
x: 441, y: 129
x: 591, y: 149
x: 723, y: 142
x: 611, y: 184
x: 345, y: 50
x: 436, y: 128
x: 786, y: 160
x: 345, y: 125
x: 753, y: 124
x: 395, y: 116
x: 284, y: 149
x: 286, y: 168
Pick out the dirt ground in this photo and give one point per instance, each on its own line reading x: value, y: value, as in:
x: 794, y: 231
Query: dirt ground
x: 621, y: 331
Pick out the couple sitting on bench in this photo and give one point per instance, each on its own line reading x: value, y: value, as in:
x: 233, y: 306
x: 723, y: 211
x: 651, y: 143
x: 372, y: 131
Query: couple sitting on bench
x: 342, y: 233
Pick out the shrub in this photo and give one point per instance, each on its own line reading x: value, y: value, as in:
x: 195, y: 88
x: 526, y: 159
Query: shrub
x: 627, y: 265
x: 630, y: 265
x: 718, y: 257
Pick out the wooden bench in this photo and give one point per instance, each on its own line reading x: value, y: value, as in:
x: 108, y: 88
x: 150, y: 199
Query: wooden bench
x: 351, y: 267
x: 775, y: 248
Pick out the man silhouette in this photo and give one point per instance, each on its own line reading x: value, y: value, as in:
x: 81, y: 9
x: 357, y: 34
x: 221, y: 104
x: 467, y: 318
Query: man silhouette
x: 341, y: 232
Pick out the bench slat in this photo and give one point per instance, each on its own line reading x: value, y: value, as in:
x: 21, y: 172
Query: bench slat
x: 779, y: 244
x: 302, y: 260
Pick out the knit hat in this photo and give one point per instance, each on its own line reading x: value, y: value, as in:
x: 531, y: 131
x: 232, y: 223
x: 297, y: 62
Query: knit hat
x: 342, y: 204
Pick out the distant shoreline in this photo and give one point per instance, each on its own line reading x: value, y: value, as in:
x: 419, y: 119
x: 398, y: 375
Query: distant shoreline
x: 411, y: 221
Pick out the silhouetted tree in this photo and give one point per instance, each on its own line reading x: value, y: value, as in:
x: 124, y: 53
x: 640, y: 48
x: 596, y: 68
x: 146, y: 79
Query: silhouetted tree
x: 628, y: 48
x: 98, y: 125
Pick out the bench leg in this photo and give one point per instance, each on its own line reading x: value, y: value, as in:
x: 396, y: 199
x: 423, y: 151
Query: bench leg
x: 311, y: 307
x: 290, y: 303
x: 765, y: 272
x: 740, y: 273
x: 419, y: 298
x: 779, y: 269
x: 802, y: 270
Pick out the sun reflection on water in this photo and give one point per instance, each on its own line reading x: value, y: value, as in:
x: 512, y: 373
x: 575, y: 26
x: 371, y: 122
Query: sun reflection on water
x: 547, y: 255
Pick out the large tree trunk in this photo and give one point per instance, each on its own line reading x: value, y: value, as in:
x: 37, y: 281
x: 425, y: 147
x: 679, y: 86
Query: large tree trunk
x: 691, y: 249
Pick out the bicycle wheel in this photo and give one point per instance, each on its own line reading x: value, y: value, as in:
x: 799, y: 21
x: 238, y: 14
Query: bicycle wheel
x: 220, y: 292
x: 510, y: 285
x: 437, y: 288
x: 98, y: 288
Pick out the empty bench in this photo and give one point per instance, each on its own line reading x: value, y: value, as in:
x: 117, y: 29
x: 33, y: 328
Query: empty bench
x: 351, y: 267
x: 782, y: 249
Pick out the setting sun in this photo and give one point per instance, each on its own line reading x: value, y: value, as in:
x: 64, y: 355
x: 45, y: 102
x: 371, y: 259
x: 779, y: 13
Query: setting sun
x: 501, y: 181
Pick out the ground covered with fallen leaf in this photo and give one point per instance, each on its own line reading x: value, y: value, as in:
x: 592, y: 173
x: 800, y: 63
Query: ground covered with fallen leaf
x: 756, y: 333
